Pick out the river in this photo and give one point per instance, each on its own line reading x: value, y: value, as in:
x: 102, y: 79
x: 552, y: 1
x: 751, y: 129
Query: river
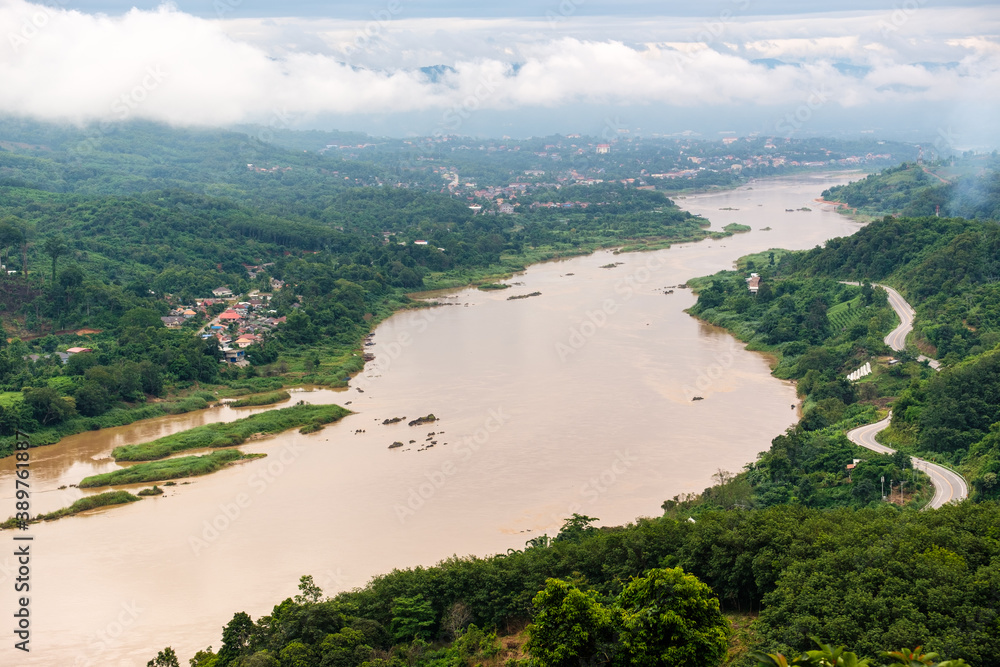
x: 577, y: 400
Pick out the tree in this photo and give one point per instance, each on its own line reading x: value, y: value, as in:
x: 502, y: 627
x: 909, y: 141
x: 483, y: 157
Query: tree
x: 570, y: 627
x: 205, y: 658
x: 297, y: 654
x: 165, y: 658
x: 141, y: 318
x: 10, y: 237
x: 261, y: 659
x: 47, y: 406
x: 829, y: 656
x: 411, y: 618
x: 456, y: 618
x: 576, y: 527
x: 671, y: 618
x: 309, y: 591
x: 235, y: 638
x: 55, y: 247
x: 92, y: 399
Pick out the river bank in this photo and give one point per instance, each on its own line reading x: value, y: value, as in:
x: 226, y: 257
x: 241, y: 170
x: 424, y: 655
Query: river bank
x: 578, y: 400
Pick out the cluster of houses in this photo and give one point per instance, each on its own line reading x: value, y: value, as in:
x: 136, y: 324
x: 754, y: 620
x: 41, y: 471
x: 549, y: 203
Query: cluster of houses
x: 556, y: 204
x: 251, y: 320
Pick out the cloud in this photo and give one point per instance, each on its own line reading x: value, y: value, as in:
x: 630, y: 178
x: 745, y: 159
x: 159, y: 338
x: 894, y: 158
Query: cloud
x: 166, y: 65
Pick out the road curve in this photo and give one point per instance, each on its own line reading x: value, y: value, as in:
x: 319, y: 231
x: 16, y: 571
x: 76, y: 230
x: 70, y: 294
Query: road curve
x: 948, y: 485
x: 897, y: 337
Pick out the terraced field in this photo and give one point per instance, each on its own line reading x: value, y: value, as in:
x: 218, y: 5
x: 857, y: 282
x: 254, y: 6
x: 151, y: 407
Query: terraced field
x: 845, y: 314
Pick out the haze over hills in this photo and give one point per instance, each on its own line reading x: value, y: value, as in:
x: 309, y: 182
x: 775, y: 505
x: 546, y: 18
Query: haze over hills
x: 924, y: 73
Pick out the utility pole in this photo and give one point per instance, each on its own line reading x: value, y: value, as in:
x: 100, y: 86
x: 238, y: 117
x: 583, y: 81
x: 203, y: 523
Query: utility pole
x: 883, y: 488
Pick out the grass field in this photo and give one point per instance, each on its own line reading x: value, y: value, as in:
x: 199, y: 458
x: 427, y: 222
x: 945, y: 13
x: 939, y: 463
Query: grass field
x: 158, y: 471
x: 229, y: 434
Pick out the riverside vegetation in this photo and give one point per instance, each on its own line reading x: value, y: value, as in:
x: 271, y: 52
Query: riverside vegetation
x: 876, y: 579
x: 230, y: 434
x: 102, y: 246
x: 261, y: 399
x: 224, y: 436
x: 218, y: 435
x: 133, y: 228
x: 106, y: 499
x: 794, y: 548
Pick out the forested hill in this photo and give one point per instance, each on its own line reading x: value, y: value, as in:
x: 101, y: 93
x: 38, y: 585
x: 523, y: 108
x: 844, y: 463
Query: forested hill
x: 949, y: 269
x: 874, y: 579
x: 967, y: 187
x: 106, y: 240
x: 143, y: 157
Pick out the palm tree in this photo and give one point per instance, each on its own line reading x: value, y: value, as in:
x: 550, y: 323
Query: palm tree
x: 55, y: 247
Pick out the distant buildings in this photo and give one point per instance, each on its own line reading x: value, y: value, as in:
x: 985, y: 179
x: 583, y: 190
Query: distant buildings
x: 753, y: 283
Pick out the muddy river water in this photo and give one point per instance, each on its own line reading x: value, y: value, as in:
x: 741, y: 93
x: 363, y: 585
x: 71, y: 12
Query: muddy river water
x: 577, y: 400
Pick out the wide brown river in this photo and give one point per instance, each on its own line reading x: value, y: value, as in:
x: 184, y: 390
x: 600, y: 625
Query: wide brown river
x: 578, y: 400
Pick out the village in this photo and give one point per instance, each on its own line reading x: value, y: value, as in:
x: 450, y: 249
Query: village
x: 239, y: 325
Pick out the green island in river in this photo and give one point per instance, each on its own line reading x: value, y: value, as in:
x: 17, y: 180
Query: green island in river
x: 228, y: 435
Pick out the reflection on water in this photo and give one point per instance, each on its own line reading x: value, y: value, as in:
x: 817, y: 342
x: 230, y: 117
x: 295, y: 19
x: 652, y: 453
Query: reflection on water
x: 578, y: 400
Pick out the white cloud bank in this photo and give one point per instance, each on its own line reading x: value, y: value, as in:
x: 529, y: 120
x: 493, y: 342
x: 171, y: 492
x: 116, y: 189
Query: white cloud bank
x: 164, y: 65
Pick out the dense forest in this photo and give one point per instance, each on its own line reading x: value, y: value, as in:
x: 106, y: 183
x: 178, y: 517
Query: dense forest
x: 820, y: 331
x: 966, y: 187
x: 106, y: 230
x: 874, y: 579
x: 945, y: 267
x: 798, y: 541
x: 99, y: 244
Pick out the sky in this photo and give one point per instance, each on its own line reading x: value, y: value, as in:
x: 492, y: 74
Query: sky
x: 908, y: 69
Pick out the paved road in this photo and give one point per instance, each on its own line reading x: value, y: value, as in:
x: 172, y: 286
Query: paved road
x: 948, y: 485
x: 897, y: 337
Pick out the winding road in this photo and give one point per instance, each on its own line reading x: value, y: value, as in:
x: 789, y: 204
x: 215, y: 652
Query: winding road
x: 949, y: 486
x: 897, y: 337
